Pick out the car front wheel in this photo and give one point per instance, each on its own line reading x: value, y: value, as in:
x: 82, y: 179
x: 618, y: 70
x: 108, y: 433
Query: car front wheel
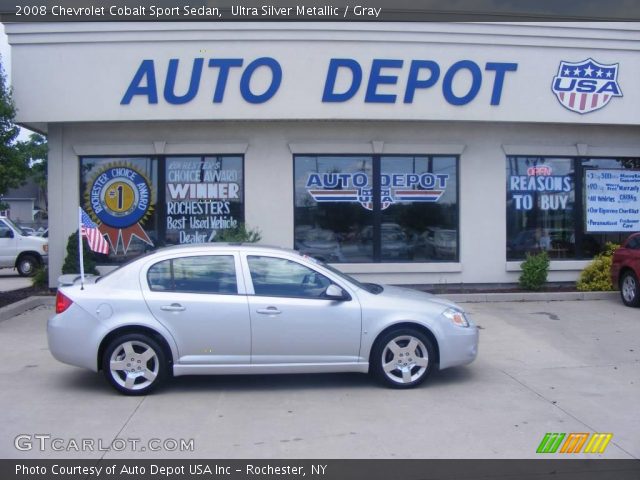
x: 629, y: 290
x: 134, y: 364
x: 27, y: 265
x: 403, y: 358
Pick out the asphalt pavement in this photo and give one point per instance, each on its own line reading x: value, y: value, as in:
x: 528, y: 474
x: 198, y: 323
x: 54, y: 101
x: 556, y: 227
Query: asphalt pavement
x: 10, y: 280
x: 562, y: 366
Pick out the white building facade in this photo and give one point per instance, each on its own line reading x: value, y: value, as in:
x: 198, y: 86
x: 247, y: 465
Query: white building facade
x: 407, y: 153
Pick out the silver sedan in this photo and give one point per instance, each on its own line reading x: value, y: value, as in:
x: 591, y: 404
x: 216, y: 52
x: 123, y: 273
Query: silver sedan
x: 247, y: 309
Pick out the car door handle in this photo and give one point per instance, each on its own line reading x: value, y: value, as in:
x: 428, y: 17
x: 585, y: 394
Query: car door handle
x: 174, y: 307
x: 269, y: 311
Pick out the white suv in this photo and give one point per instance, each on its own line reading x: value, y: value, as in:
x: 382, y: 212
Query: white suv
x: 20, y: 251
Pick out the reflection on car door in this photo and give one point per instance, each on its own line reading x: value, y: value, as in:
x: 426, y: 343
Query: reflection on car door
x: 197, y: 299
x: 291, y: 322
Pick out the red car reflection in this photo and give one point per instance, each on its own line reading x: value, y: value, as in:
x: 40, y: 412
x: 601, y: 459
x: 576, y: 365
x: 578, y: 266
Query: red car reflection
x: 625, y: 270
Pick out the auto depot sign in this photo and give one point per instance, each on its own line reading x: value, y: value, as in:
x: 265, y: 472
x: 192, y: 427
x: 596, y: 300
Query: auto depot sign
x: 420, y: 75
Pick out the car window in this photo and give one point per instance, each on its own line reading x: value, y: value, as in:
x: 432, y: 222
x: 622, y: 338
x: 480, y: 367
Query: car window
x: 5, y: 231
x: 634, y: 243
x: 201, y: 274
x: 9, y: 223
x: 278, y: 277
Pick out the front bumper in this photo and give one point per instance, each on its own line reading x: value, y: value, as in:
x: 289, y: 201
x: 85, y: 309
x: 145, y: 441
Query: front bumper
x: 459, y: 346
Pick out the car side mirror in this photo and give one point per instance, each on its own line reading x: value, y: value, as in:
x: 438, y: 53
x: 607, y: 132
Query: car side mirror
x: 9, y: 234
x: 334, y: 292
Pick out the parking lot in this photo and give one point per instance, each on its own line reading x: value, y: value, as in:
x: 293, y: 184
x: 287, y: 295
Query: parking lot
x: 564, y: 366
x: 10, y: 280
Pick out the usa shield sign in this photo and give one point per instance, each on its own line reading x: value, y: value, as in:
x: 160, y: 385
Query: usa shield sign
x: 586, y: 86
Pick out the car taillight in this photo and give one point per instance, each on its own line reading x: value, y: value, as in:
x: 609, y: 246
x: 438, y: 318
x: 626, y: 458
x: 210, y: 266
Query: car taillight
x: 62, y: 302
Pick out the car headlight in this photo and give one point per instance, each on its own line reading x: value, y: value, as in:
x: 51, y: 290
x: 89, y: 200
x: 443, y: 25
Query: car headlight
x: 45, y: 248
x: 457, y: 317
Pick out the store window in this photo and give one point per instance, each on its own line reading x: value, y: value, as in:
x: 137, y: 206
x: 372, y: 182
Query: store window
x: 399, y: 208
x: 540, y: 206
x: 570, y: 207
x: 141, y: 203
x: 420, y: 222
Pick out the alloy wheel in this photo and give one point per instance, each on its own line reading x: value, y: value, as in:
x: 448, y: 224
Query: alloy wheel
x: 405, y: 359
x: 629, y: 288
x: 134, y: 365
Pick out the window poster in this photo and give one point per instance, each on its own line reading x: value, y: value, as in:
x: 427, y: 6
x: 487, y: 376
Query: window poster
x: 612, y: 200
x: 204, y: 196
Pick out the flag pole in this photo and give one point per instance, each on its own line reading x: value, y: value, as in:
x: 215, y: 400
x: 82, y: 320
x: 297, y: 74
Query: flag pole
x: 80, y: 248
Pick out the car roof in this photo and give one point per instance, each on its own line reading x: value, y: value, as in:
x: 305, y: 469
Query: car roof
x: 241, y: 246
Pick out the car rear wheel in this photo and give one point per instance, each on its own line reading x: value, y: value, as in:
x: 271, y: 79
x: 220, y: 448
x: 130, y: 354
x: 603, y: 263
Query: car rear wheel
x: 403, y: 358
x: 27, y: 265
x: 134, y: 364
x: 629, y: 290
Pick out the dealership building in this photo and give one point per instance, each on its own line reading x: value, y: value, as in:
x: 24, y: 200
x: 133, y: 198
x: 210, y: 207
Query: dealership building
x: 406, y: 153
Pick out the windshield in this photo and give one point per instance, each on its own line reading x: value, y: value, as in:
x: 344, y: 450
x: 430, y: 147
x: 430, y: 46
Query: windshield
x: 369, y: 287
x: 15, y: 227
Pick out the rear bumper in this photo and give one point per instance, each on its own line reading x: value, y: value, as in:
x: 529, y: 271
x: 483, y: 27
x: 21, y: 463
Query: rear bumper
x: 74, y: 337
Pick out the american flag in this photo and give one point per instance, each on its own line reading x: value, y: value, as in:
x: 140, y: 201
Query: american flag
x: 96, y: 241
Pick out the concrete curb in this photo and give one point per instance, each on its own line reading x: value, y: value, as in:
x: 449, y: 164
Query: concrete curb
x: 529, y: 296
x: 25, y: 305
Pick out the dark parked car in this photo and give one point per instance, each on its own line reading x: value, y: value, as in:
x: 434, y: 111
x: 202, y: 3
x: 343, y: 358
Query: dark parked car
x: 625, y: 270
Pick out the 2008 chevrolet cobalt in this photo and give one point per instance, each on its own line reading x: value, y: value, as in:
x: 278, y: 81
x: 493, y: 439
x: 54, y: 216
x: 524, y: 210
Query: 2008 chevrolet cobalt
x: 243, y: 309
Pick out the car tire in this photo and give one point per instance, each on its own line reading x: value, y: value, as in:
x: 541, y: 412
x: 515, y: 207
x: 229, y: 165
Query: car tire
x: 630, y: 289
x: 402, y: 358
x: 27, y: 265
x: 134, y: 364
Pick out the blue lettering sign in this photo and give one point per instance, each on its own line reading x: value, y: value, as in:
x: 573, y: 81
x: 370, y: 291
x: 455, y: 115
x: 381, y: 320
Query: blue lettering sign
x: 376, y: 78
x: 145, y: 71
x: 447, y: 82
x: 276, y: 78
x: 415, y: 80
x: 501, y: 69
x: 343, y: 80
x: 329, y: 94
x: 170, y: 83
x: 413, y: 83
x: 224, y: 64
x: 144, y: 80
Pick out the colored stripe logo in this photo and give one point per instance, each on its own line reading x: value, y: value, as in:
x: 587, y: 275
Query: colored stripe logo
x: 598, y: 443
x: 573, y: 443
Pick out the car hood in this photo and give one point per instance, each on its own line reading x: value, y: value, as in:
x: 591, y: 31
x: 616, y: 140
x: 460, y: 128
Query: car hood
x: 32, y: 240
x: 392, y: 293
